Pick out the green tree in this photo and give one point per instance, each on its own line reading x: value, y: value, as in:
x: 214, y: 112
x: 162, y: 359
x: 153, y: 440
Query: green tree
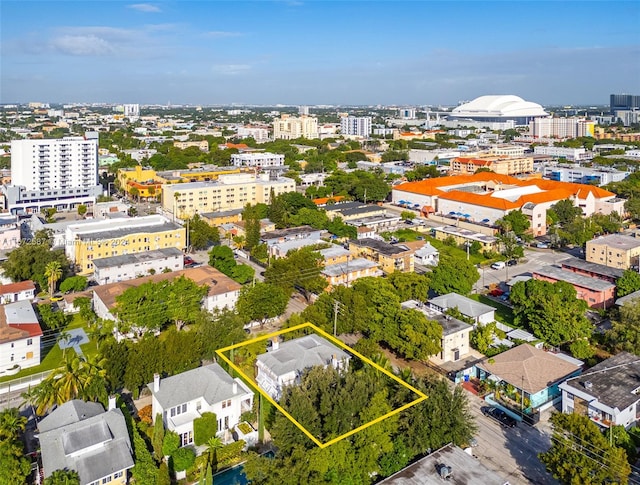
x: 410, y: 286
x: 63, y: 477
x: 204, y: 428
x: 221, y: 258
x: 565, y: 211
x: 514, y: 221
x: 551, y: 311
x: 163, y: 477
x: 157, y: 438
x: 171, y: 443
x: 14, y: 467
x: 581, y: 454
x: 251, y: 218
x: 407, y: 215
x: 183, y: 459
x: 261, y: 302
x: 146, y: 358
x: 300, y: 269
x: 201, y: 234
x: 219, y: 330
x: 183, y: 300
x: 481, y: 337
x: 625, y: 331
x: 73, y: 283
x: 243, y: 273
x: 144, y: 471
x: 12, y: 424
x: 214, y: 444
x: 148, y: 299
x: 453, y: 274
x: 28, y: 262
x: 628, y: 283
x: 53, y: 272
x: 82, y: 210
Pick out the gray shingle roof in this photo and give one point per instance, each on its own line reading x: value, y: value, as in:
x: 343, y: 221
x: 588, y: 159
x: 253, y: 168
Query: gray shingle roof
x: 81, y: 436
x: 210, y: 382
x: 156, y: 254
x: 466, y: 306
x: 574, y: 278
x: 300, y: 354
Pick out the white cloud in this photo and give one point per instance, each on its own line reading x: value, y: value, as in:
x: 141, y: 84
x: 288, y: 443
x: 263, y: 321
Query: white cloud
x: 82, y: 45
x: 231, y: 69
x: 145, y: 7
x: 222, y: 33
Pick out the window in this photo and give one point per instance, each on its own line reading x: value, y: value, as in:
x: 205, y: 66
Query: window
x: 106, y: 479
x: 29, y: 341
x: 226, y: 404
x: 186, y: 438
x: 117, y: 474
x: 569, y: 395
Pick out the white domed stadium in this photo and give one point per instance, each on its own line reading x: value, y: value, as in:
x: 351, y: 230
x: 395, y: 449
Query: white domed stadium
x: 499, y: 108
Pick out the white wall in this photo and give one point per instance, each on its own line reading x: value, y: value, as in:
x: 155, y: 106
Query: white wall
x: 18, y: 350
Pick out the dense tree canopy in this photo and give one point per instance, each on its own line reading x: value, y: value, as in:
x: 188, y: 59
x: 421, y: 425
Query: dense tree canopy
x: 453, y: 274
x: 514, y: 221
x: 201, y: 234
x: 580, y: 454
x: 628, y: 283
x: 261, y: 302
x: 300, y: 270
x: 625, y: 331
x: 551, y: 311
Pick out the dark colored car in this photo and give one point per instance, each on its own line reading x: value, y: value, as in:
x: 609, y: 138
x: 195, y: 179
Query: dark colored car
x: 512, y: 262
x: 500, y: 416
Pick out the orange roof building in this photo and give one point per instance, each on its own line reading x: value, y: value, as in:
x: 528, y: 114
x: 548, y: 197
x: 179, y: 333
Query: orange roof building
x: 486, y: 196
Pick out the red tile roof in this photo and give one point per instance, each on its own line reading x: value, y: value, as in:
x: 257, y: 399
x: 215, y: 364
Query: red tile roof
x: 17, y: 287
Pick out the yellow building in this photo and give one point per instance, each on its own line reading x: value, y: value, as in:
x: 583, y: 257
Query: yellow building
x: 85, y: 242
x: 203, y: 145
x: 149, y: 183
x: 390, y: 257
x: 229, y: 192
x: 615, y: 251
x: 499, y: 164
x: 290, y: 127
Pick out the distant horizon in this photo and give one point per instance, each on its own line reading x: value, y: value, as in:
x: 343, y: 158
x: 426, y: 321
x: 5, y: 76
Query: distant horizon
x: 314, y: 52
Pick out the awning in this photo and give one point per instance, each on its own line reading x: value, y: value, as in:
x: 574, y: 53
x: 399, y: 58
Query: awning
x: 427, y: 209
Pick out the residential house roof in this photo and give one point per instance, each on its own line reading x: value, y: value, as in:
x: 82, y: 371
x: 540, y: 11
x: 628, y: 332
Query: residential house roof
x: 17, y: 287
x: 217, y: 282
x: 576, y: 279
x: 89, y: 440
x: 382, y: 247
x: 153, y: 255
x: 449, y: 324
x: 466, y: 306
x: 614, y: 381
x: 301, y: 353
x: 323, y: 200
x: 630, y: 297
x: 595, y: 268
x: 18, y: 321
x: 356, y: 264
x: 465, y: 470
x: 288, y: 233
x: 210, y: 382
x: 528, y: 368
x: 618, y: 241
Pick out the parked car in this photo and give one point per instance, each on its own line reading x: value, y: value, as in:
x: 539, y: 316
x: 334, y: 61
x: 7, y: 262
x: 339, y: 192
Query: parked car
x: 500, y: 416
x: 512, y: 262
x: 542, y: 246
x: 498, y: 265
x: 189, y: 262
x: 496, y: 292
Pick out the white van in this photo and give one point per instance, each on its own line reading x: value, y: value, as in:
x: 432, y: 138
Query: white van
x: 498, y: 265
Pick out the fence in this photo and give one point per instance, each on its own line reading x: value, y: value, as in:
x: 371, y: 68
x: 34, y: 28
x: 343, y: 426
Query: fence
x: 22, y: 382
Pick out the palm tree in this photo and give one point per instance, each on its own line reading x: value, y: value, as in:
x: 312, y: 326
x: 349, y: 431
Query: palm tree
x: 64, y: 336
x: 135, y: 193
x: 11, y: 424
x: 213, y: 445
x: 53, y: 272
x: 63, y: 477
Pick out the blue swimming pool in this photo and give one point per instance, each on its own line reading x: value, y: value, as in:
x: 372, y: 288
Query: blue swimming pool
x: 235, y: 475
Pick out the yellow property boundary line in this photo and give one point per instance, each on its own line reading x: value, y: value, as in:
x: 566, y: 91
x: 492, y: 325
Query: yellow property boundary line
x: 334, y: 340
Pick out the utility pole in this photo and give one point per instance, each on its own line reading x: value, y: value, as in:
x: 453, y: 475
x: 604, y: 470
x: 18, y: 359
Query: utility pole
x: 336, y: 305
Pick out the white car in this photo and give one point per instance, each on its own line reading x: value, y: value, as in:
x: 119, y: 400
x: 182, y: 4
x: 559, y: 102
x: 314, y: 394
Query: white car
x: 498, y: 265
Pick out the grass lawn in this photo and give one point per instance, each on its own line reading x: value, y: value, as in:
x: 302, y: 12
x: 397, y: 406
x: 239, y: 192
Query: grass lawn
x: 51, y: 356
x: 504, y: 314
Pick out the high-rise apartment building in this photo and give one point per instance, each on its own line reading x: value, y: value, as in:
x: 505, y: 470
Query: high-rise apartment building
x: 263, y: 159
x: 60, y: 173
x: 354, y: 125
x: 289, y: 127
x: 303, y: 110
x: 621, y: 102
x: 131, y: 110
x: 561, y: 127
x: 65, y: 163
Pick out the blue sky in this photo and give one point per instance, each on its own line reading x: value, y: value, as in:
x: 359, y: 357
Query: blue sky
x: 317, y: 52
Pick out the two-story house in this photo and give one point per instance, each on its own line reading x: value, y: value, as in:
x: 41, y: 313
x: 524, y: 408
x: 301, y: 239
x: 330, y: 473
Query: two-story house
x: 286, y: 362
x: 390, y: 257
x: 480, y: 313
x: 83, y: 437
x: 20, y: 335
x: 608, y: 393
x: 184, y: 397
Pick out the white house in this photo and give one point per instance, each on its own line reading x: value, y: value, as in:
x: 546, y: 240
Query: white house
x: 182, y: 398
x: 607, y: 393
x: 479, y: 312
x: 20, y: 335
x: 285, y: 363
x: 427, y: 255
x: 130, y: 266
x: 83, y: 437
x: 23, y: 290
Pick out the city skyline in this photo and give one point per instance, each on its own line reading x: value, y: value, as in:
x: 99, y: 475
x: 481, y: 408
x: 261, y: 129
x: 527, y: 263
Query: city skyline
x: 316, y: 52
